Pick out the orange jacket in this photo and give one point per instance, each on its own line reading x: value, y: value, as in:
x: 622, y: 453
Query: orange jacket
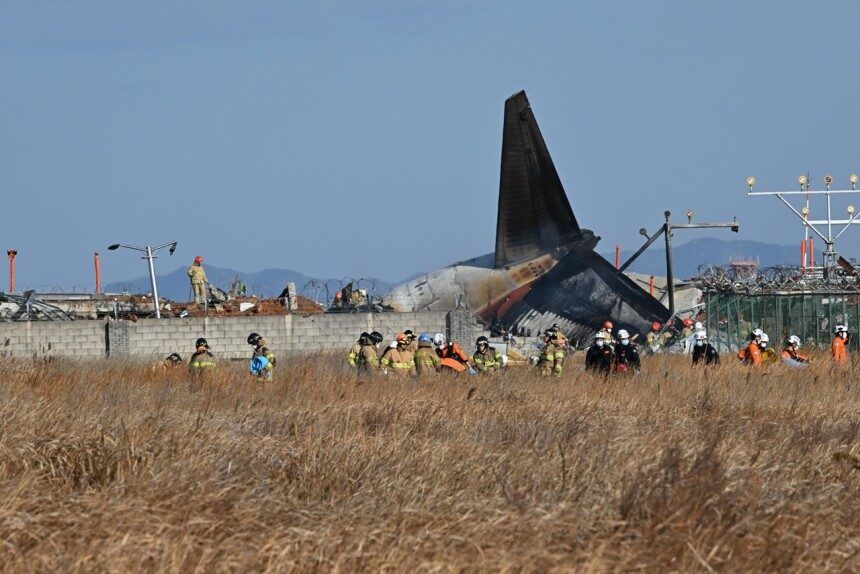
x: 751, y: 354
x: 837, y: 349
x: 453, y: 351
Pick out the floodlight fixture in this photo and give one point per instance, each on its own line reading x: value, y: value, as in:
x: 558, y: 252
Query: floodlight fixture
x: 750, y: 182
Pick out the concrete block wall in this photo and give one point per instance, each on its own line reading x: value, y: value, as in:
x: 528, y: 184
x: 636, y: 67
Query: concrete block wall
x: 53, y: 339
x: 157, y: 338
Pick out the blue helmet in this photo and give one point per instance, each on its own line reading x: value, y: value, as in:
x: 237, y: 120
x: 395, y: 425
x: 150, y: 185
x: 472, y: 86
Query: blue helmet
x: 425, y: 338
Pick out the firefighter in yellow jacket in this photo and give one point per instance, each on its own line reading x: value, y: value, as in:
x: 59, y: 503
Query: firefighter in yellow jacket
x: 396, y: 358
x: 368, y: 356
x: 202, y: 361
x: 355, y: 351
x: 261, y: 350
x: 427, y: 362
x: 551, y: 359
x: 486, y: 358
x: 198, y: 280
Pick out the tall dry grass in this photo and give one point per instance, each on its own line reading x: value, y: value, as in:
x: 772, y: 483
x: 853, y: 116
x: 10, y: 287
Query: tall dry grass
x: 112, y: 466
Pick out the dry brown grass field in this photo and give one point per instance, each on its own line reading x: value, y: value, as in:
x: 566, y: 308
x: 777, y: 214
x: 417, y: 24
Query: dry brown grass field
x: 112, y: 466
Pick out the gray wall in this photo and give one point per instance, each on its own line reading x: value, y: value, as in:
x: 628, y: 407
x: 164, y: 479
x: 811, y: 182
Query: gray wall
x: 148, y: 338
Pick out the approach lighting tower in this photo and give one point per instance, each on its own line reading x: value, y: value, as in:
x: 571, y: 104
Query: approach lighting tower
x: 825, y: 232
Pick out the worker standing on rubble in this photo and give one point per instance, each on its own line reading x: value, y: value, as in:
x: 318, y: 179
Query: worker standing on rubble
x: 356, y: 349
x: 626, y: 355
x: 607, y: 330
x: 551, y: 358
x: 598, y: 357
x: 262, y: 359
x: 394, y: 358
x: 202, y: 361
x: 368, y: 356
x: 453, y: 357
x: 486, y: 358
x: 426, y: 360
x: 703, y: 351
x: 197, y: 276
x: 839, y: 346
x: 790, y: 356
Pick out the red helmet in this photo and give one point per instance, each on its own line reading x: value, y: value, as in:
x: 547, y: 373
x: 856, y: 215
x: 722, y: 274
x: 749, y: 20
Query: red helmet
x: 608, y: 325
x: 688, y: 322
x: 655, y: 326
x: 198, y: 259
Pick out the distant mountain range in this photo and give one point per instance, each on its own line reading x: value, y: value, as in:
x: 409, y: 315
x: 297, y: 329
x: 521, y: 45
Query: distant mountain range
x: 265, y: 283
x: 687, y: 257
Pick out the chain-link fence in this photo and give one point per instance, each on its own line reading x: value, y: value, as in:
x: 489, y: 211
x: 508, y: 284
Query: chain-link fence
x: 782, y: 301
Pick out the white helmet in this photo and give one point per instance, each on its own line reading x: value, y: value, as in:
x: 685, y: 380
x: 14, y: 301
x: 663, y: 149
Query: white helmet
x: 698, y: 326
x: 841, y: 329
x: 764, y: 338
x: 438, y: 339
x: 700, y: 335
x: 623, y: 334
x: 393, y: 344
x: 758, y: 332
x: 794, y: 340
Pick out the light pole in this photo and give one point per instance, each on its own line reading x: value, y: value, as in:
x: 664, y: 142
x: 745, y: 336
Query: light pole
x: 666, y: 231
x: 826, y: 231
x: 149, y: 257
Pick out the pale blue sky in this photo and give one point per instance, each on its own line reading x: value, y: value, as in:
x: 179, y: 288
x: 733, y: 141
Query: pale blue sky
x: 338, y: 141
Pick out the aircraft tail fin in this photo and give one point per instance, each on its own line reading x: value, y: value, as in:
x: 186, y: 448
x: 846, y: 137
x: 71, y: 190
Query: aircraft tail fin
x: 534, y: 213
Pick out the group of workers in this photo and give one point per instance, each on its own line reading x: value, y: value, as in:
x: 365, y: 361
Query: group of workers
x: 758, y: 352
x: 261, y: 365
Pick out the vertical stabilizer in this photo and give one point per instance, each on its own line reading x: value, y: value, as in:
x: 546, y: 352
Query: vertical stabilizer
x: 534, y: 214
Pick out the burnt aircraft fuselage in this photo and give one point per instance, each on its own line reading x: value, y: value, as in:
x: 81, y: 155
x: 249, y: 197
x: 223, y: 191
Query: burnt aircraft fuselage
x: 544, y: 269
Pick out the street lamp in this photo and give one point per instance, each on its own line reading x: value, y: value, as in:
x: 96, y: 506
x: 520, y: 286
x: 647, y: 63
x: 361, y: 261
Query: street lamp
x: 149, y: 257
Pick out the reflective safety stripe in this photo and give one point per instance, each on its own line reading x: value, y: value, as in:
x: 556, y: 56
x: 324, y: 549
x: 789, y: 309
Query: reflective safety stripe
x: 201, y: 364
x: 401, y: 365
x: 351, y: 359
x: 425, y: 362
x: 384, y: 362
x: 559, y: 354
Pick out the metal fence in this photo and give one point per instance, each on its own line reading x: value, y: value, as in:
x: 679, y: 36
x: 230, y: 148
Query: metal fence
x: 781, y: 301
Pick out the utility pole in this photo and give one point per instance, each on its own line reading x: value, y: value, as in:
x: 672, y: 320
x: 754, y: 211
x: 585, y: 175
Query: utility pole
x: 666, y: 230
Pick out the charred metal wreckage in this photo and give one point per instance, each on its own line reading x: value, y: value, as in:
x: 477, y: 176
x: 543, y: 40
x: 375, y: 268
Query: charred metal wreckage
x: 544, y: 269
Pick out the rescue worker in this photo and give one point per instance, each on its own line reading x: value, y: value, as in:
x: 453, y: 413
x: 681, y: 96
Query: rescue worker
x: 607, y: 330
x: 197, y: 276
x: 839, y: 346
x: 202, y: 361
x: 768, y: 355
x: 626, y: 355
x: 368, y: 356
x: 264, y: 368
x: 655, y: 340
x: 559, y: 336
x: 426, y: 360
x: 486, y: 358
x: 413, y: 342
x: 551, y: 358
x: 598, y: 357
x: 790, y: 356
x: 394, y: 358
x: 688, y: 328
x: 450, y: 354
x: 356, y: 349
x: 703, y: 351
x: 751, y: 354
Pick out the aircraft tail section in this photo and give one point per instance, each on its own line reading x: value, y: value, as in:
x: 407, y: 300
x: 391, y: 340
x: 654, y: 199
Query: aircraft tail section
x: 534, y: 213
